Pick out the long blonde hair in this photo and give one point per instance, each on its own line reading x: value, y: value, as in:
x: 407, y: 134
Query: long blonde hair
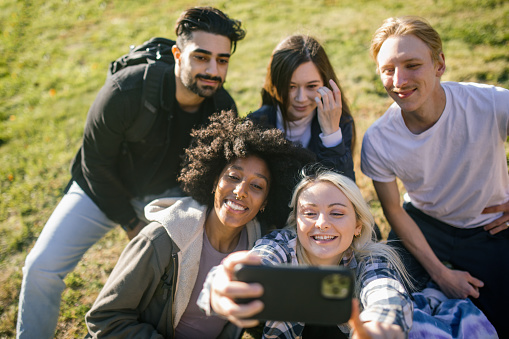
x: 363, y: 247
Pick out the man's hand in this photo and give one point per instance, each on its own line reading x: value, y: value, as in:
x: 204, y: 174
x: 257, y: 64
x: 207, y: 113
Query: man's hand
x: 372, y: 329
x: 458, y: 284
x: 224, y: 291
x: 329, y: 108
x: 137, y: 229
x: 500, y: 224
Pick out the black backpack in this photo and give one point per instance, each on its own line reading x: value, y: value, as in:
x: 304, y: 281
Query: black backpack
x: 156, y: 53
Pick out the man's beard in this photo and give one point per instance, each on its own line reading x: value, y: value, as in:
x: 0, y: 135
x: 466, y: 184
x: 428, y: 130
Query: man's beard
x: 203, y: 91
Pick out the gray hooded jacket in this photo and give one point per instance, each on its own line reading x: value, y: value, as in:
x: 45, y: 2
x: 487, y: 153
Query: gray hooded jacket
x: 150, y: 287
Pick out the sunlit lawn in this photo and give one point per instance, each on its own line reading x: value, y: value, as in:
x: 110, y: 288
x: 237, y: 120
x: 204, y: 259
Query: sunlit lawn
x: 55, y: 56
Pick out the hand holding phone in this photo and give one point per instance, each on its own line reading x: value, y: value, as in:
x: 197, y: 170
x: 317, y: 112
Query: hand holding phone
x: 313, y: 295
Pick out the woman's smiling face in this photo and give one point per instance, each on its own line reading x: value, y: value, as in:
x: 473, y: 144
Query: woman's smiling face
x: 304, y: 84
x: 241, y: 191
x: 326, y: 223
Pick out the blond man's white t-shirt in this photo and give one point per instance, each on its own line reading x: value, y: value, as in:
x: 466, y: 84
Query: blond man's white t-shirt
x: 455, y: 169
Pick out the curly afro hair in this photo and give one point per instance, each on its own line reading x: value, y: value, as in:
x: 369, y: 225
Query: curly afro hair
x: 228, y: 138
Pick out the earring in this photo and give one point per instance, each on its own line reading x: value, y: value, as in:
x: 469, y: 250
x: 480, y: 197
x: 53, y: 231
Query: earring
x: 357, y: 235
x: 262, y: 209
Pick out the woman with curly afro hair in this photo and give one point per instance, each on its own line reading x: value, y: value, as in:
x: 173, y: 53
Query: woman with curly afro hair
x: 236, y: 174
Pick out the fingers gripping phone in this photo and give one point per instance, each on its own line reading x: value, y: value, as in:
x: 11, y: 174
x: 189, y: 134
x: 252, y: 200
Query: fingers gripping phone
x: 313, y: 295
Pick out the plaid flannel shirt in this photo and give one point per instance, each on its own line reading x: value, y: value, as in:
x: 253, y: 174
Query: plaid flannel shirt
x: 382, y: 296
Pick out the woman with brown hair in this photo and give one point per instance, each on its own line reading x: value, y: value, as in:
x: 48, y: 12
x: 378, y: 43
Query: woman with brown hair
x: 303, y: 98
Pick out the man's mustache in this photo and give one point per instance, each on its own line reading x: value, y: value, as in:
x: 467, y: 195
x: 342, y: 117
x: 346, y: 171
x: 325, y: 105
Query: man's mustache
x: 208, y: 77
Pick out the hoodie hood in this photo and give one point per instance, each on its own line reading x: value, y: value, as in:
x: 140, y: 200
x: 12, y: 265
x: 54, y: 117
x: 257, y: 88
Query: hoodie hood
x: 183, y: 218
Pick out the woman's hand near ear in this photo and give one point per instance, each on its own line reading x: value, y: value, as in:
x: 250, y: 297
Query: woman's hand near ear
x: 329, y: 108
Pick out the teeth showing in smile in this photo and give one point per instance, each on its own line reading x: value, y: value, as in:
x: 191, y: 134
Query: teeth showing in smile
x: 323, y: 237
x: 235, y: 206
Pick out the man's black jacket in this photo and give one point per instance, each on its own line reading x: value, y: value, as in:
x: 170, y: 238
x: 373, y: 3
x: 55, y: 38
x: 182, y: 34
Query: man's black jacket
x: 111, y: 170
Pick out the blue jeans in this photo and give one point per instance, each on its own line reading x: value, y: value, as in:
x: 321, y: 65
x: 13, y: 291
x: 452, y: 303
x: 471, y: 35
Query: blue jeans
x: 75, y: 225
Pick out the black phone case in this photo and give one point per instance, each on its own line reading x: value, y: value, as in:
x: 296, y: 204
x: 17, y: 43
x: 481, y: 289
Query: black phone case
x: 313, y: 295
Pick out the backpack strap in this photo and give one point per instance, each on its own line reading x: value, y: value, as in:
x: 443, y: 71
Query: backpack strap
x: 157, y: 54
x: 150, y: 101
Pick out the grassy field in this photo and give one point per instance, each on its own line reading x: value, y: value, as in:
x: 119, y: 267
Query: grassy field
x: 55, y: 55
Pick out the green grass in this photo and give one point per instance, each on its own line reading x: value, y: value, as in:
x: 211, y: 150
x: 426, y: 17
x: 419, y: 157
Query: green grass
x: 55, y: 55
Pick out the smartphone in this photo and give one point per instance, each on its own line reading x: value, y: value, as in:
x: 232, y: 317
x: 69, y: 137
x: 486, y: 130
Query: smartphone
x: 312, y: 295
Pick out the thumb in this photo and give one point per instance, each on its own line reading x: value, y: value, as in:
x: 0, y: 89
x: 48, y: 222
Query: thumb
x: 358, y: 330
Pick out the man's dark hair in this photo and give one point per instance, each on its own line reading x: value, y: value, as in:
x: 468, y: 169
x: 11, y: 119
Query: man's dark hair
x: 210, y: 20
x: 228, y: 138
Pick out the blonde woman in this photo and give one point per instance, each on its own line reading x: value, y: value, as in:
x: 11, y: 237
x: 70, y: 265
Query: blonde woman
x: 330, y: 224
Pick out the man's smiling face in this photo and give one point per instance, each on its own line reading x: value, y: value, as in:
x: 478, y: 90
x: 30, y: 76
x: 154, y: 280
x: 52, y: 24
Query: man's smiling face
x: 203, y: 63
x: 408, y: 73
